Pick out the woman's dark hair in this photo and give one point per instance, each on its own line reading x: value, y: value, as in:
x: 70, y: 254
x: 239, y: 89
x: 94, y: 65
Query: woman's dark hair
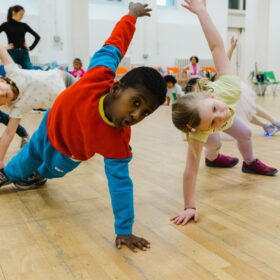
x: 145, y: 79
x: 170, y: 79
x: 195, y: 57
x: 190, y: 84
x: 16, y: 9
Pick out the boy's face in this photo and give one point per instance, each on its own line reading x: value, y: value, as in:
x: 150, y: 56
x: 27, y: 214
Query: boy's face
x: 6, y: 94
x: 169, y: 85
x: 131, y: 106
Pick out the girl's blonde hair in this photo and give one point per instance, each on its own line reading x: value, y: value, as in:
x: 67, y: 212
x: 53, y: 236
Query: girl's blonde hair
x: 185, y: 114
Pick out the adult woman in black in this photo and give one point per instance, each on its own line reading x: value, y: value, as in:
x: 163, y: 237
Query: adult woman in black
x: 16, y: 30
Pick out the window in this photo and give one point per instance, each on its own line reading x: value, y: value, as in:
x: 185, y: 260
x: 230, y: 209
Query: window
x: 167, y: 3
x: 244, y: 5
x: 237, y: 4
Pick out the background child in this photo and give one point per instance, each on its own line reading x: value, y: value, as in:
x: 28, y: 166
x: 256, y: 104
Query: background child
x: 174, y: 90
x: 202, y: 114
x: 193, y: 69
x: 26, y: 90
x: 78, y: 72
x: 94, y: 116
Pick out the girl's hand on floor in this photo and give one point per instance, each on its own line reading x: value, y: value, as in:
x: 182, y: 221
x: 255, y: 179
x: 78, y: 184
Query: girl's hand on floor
x: 186, y: 216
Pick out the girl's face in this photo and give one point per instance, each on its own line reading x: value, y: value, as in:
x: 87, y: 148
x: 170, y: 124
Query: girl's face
x: 193, y: 61
x: 18, y: 16
x: 77, y: 65
x: 213, y: 114
x: 6, y: 93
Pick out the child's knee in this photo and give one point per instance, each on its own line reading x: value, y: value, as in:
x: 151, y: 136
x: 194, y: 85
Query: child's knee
x: 213, y: 147
x: 246, y: 134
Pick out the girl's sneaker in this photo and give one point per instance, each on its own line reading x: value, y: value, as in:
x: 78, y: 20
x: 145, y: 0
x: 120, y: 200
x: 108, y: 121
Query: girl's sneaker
x: 270, y: 130
x: 258, y: 167
x: 222, y: 161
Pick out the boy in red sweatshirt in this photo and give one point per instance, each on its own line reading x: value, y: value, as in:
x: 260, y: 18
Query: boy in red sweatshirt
x: 94, y: 116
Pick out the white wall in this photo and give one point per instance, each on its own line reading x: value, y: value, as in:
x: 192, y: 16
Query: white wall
x: 169, y: 34
x: 257, y: 30
x: 274, y: 38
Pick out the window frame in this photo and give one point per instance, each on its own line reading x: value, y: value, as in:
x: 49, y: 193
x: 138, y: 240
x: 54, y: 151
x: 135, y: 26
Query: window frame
x: 166, y: 4
x: 241, y: 5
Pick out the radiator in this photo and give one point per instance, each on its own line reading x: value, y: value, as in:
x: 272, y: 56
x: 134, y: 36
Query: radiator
x: 181, y: 63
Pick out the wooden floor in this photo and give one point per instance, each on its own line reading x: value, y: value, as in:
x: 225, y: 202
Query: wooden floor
x: 65, y: 230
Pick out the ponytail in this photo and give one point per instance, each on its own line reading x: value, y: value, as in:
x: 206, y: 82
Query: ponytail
x: 12, y: 9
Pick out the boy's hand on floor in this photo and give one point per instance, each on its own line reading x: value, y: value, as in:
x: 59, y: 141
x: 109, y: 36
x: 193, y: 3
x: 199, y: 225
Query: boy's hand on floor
x: 132, y: 242
x: 139, y: 10
x: 183, y: 218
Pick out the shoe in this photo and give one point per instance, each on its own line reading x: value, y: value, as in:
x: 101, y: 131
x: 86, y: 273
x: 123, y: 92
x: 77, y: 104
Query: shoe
x: 257, y: 167
x: 31, y: 182
x: 277, y: 125
x: 270, y: 130
x: 39, y: 110
x: 24, y: 141
x: 3, y: 178
x: 222, y: 161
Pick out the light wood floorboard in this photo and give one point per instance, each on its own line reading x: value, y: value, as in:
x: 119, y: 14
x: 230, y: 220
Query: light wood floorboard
x: 65, y: 229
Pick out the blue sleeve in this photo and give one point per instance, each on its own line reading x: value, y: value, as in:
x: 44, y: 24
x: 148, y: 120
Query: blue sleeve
x: 121, y: 192
x: 108, y: 56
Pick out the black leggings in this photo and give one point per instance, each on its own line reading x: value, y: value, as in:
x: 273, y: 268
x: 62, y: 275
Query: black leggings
x: 4, y: 118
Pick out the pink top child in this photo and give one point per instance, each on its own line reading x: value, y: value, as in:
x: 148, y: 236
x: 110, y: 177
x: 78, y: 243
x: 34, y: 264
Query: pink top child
x: 78, y: 71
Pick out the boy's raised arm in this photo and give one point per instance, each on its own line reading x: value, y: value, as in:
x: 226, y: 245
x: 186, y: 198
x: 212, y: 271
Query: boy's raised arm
x: 116, y: 45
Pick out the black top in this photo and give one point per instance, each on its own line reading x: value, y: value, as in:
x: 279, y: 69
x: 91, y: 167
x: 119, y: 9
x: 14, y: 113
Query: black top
x: 16, y: 33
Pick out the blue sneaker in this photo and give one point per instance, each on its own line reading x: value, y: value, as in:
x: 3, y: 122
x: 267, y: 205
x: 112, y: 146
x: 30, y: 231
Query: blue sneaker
x: 270, y: 130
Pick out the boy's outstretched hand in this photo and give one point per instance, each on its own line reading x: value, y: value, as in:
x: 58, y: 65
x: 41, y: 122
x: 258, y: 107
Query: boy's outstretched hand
x: 185, y: 217
x: 194, y: 6
x: 132, y: 242
x: 139, y: 10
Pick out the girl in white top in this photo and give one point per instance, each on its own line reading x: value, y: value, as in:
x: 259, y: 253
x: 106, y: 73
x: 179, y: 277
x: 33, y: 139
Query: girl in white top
x: 36, y: 88
x: 174, y: 90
